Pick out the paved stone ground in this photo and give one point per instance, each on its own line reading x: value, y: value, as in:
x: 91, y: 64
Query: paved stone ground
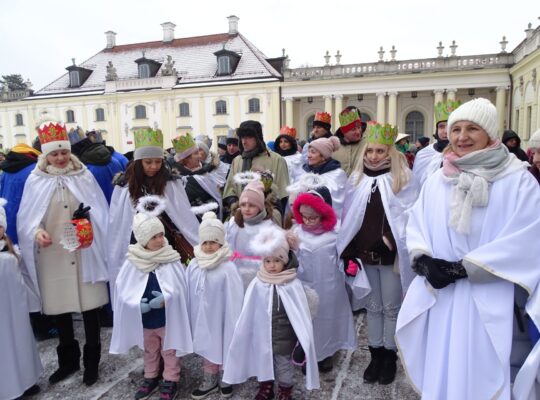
x: 121, y: 375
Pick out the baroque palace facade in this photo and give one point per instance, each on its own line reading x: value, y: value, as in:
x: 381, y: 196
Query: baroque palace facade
x: 209, y: 84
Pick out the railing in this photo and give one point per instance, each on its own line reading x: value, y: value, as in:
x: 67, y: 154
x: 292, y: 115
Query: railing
x: 144, y: 83
x: 501, y: 60
x: 14, y: 95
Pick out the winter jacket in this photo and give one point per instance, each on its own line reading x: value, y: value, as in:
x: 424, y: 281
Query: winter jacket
x: 328, y: 166
x: 517, y: 150
x: 347, y: 154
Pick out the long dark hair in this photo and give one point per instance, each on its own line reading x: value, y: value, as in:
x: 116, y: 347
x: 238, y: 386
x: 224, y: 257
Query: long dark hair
x: 140, y: 185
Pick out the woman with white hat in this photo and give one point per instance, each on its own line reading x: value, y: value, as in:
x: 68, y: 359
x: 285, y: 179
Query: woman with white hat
x: 454, y: 330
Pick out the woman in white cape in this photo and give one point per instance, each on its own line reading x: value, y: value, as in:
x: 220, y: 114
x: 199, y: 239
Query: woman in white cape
x: 454, y: 329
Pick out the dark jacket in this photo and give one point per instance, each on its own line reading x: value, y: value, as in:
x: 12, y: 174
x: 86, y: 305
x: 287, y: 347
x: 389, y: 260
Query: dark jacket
x: 328, y: 166
x: 283, y: 153
x: 517, y: 151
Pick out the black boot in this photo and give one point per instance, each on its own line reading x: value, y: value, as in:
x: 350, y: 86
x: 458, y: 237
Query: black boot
x: 371, y: 374
x: 91, y: 357
x: 326, y: 365
x: 68, y: 361
x: 388, y: 369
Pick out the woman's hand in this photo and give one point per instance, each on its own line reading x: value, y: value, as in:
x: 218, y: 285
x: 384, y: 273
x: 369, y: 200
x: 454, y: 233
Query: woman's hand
x: 43, y: 238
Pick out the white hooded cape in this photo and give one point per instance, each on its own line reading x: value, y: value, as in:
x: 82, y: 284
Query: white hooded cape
x: 215, y: 300
x: 250, y: 353
x: 128, y: 327
x: 333, y: 326
x: 20, y: 367
x: 213, y: 181
x: 455, y: 342
x: 426, y: 163
x: 38, y: 190
x: 395, y: 207
x: 294, y: 165
x: 122, y: 211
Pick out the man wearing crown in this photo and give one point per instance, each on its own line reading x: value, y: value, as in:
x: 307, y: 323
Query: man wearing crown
x: 429, y: 159
x: 350, y: 136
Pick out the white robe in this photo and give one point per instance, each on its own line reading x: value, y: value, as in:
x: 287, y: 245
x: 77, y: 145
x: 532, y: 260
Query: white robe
x: 128, y: 326
x: 121, y: 221
x: 215, y: 301
x: 426, y: 163
x: 250, y: 353
x: 213, y: 181
x: 20, y: 367
x: 294, y: 165
x: 395, y: 207
x: 333, y: 325
x: 37, y: 194
x: 455, y: 342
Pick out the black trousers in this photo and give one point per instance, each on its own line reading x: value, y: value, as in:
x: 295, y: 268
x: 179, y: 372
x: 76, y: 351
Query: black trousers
x: 64, y: 323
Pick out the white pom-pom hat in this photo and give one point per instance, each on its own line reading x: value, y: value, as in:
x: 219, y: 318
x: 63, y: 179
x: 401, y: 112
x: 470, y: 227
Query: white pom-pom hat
x: 480, y: 111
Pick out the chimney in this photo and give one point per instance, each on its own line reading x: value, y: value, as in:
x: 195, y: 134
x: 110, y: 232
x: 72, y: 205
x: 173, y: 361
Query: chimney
x: 111, y: 39
x: 233, y: 24
x: 168, y: 31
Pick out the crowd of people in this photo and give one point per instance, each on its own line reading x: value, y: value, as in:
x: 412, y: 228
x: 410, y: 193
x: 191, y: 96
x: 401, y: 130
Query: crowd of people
x: 255, y: 258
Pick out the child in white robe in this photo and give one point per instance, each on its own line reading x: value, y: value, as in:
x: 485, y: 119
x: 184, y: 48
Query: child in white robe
x: 216, y: 293
x: 333, y: 326
x: 21, y: 367
x: 150, y: 306
x: 275, y: 316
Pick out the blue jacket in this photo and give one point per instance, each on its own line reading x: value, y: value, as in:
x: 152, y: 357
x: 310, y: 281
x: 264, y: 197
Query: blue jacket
x: 104, y: 175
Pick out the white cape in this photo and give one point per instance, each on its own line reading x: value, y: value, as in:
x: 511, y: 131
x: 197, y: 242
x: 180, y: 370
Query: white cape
x: 122, y: 211
x: 20, y: 367
x: 395, y: 207
x: 426, y: 163
x: 128, y: 327
x: 250, y: 353
x: 294, y: 165
x: 215, y: 300
x: 212, y: 183
x: 37, y: 194
x: 455, y: 342
x: 333, y: 326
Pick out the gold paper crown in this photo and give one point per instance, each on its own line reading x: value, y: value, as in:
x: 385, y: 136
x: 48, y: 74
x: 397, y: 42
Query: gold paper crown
x: 148, y: 137
x: 287, y: 130
x: 183, y: 143
x: 381, y: 134
x: 323, y: 117
x: 52, y: 132
x: 443, y: 110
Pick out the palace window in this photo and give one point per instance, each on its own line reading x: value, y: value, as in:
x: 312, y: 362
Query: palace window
x: 254, y: 105
x: 140, y: 112
x: 74, y: 80
x: 19, y: 119
x: 184, y: 109
x: 70, y: 116
x: 221, y: 107
x: 414, y: 125
x: 100, y: 114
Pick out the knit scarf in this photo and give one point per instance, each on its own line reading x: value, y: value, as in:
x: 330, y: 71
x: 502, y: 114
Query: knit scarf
x: 248, y: 156
x: 280, y: 278
x: 211, y: 261
x: 471, y: 175
x: 257, y: 218
x: 147, y: 261
x: 383, y: 164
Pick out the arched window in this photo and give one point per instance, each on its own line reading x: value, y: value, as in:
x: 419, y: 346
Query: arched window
x: 309, y: 125
x: 184, y: 109
x: 414, y: 125
x: 254, y: 105
x: 19, y: 119
x: 100, y: 114
x: 221, y: 107
x: 70, y: 116
x: 365, y: 117
x: 140, y: 112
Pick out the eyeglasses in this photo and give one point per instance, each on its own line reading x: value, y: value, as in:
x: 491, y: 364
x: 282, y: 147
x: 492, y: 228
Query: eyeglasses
x: 307, y: 218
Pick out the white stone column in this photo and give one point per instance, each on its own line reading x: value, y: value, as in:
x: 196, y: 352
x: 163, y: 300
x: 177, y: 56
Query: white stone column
x: 338, y: 107
x: 328, y: 107
x: 289, y: 111
x: 392, y: 108
x: 381, y: 98
x: 438, y: 96
x: 451, y: 94
x: 500, y: 104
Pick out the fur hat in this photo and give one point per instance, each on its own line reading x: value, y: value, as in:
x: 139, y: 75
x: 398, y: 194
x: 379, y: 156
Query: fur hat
x: 326, y: 146
x: 272, y: 241
x: 318, y: 200
x: 146, y: 223
x: 480, y: 111
x: 211, y: 229
x: 254, y: 193
x: 534, y: 141
x: 3, y: 219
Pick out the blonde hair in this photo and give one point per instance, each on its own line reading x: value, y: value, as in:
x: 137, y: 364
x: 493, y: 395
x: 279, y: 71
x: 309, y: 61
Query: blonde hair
x: 399, y: 168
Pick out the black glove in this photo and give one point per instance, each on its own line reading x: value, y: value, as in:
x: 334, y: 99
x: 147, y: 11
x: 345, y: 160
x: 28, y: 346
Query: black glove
x: 380, y: 248
x: 351, y: 266
x: 439, y: 273
x: 82, y: 212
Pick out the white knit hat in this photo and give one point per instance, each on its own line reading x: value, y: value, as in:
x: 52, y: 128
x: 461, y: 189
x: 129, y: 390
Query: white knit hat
x: 480, y: 111
x: 3, y: 219
x: 211, y: 229
x: 534, y: 141
x: 146, y: 223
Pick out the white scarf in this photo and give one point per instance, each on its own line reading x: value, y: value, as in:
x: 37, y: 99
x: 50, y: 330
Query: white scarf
x: 211, y: 261
x: 147, y: 261
x: 471, y: 176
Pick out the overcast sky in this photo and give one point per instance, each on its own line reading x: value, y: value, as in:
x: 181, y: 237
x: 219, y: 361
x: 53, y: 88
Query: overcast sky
x: 38, y: 38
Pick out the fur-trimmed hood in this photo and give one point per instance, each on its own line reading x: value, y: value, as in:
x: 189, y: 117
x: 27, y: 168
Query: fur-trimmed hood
x: 328, y: 215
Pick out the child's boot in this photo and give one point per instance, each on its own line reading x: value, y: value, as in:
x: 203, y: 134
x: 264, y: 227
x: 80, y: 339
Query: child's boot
x: 266, y: 391
x: 208, y: 386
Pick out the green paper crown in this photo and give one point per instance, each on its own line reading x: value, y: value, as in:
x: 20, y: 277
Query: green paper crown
x: 443, y: 110
x: 381, y: 134
x: 148, y: 137
x: 347, y: 117
x: 183, y: 143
